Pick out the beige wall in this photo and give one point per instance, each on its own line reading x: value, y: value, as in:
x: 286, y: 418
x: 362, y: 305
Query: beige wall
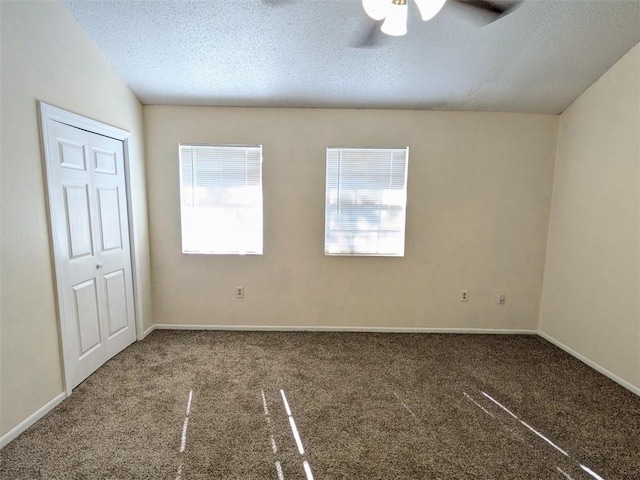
x: 46, y: 56
x: 591, y: 299
x: 478, y: 204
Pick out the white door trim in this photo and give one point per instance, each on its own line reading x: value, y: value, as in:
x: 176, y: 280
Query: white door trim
x: 49, y: 112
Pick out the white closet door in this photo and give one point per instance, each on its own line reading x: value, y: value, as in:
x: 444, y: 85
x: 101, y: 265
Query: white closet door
x: 87, y: 192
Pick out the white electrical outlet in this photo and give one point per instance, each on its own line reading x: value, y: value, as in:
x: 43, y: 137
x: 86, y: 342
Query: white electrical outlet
x: 502, y: 299
x: 464, y: 295
x: 239, y: 292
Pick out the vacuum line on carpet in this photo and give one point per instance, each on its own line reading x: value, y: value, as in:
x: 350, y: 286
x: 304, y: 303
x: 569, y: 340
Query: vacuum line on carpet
x: 286, y: 403
x: 185, y: 426
x: 264, y: 404
x: 591, y: 472
x: 292, y: 423
x: 405, y: 406
x: 564, y: 473
x: 307, y: 470
x: 183, y: 441
x: 543, y: 437
x: 274, y: 445
x: 189, y: 402
x: 183, y: 438
x: 500, y: 405
x: 525, y: 424
x: 478, y: 405
x: 296, y: 435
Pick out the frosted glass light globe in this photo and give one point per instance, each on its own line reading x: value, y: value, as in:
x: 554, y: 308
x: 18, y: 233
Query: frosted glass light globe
x: 396, y: 22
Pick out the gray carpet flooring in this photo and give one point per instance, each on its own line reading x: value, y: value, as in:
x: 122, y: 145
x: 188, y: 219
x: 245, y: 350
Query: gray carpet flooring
x: 257, y: 405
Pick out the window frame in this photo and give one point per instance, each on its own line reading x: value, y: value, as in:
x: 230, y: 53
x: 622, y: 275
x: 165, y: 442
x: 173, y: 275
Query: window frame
x: 258, y: 205
x: 399, y: 249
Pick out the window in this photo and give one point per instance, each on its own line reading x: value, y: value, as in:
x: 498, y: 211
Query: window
x: 221, y: 199
x: 365, y: 201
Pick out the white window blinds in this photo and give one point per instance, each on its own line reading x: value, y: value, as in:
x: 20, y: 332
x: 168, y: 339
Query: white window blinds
x: 221, y: 199
x: 365, y: 201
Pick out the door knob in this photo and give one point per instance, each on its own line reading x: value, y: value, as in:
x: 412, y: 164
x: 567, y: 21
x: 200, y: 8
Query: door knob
x: 99, y: 265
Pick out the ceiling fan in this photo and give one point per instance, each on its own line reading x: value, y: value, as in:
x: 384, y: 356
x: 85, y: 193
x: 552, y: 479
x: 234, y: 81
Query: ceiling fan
x: 390, y: 16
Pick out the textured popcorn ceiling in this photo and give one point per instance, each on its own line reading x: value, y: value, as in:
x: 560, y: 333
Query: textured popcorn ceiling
x: 298, y: 53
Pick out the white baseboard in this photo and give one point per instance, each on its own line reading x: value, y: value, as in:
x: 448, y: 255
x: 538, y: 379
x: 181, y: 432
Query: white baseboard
x: 299, y: 328
x: 148, y: 331
x: 591, y: 363
x: 22, y: 426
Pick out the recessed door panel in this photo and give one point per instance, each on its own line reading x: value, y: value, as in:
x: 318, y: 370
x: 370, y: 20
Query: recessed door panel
x: 72, y: 155
x: 78, y: 217
x: 105, y: 161
x: 116, y: 300
x: 110, y: 224
x: 87, y: 316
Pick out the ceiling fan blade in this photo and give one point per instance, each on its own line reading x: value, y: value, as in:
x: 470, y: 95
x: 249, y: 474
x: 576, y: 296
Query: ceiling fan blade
x: 487, y: 11
x: 369, y: 36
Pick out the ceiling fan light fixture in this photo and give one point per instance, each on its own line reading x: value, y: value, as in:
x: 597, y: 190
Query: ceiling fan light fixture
x: 429, y: 8
x: 395, y: 23
x: 376, y: 9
